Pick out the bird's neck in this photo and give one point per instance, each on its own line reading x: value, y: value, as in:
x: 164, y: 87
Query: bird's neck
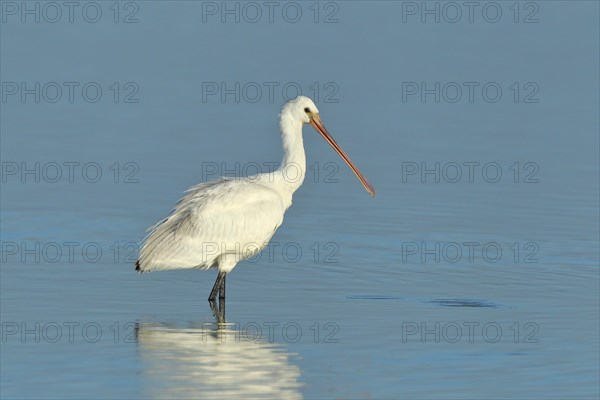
x: 293, y: 167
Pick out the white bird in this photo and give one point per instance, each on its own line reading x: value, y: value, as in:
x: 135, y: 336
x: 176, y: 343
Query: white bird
x: 219, y: 223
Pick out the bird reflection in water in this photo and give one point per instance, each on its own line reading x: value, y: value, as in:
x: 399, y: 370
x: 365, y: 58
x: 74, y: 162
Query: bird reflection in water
x: 213, y: 361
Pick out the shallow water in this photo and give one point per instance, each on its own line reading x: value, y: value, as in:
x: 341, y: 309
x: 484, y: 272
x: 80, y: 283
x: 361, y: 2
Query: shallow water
x: 482, y: 285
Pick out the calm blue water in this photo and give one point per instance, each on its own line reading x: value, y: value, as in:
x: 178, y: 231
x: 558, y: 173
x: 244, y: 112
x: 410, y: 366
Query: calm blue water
x: 472, y: 274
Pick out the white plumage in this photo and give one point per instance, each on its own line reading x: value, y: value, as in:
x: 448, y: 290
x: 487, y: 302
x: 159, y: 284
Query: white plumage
x: 219, y: 223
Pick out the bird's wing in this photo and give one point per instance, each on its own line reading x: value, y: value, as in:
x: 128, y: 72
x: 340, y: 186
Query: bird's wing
x: 232, y: 216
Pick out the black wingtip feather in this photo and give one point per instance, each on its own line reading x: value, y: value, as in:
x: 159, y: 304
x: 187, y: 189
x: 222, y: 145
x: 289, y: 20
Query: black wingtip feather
x: 137, y: 266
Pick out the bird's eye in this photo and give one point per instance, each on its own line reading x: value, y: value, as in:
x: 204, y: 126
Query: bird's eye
x: 306, y: 110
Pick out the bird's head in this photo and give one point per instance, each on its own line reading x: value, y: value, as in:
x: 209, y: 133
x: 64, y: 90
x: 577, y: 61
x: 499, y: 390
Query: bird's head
x: 304, y: 109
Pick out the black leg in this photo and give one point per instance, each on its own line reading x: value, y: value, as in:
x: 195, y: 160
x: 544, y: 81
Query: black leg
x: 218, y: 310
x: 222, y: 291
x: 221, y: 317
x: 217, y: 286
